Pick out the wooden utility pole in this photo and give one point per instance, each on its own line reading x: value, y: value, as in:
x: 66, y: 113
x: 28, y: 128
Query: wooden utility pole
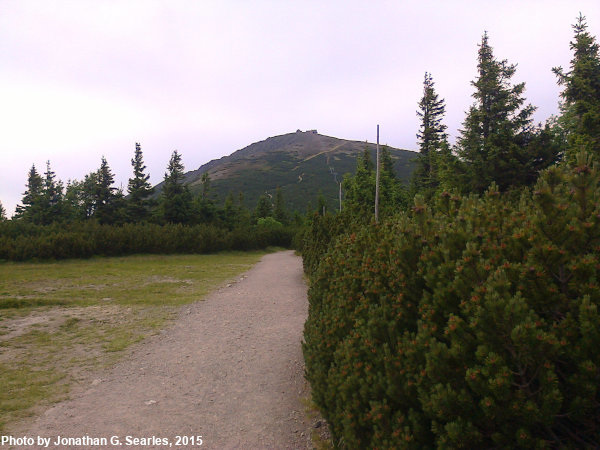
x: 377, y: 181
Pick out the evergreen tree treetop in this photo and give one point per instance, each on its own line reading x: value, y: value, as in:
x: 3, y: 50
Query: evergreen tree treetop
x: 497, y: 127
x: 432, y: 132
x: 105, y: 194
x: 139, y: 188
x: 205, y: 186
x: 35, y: 186
x: 175, y: 170
x: 105, y: 180
x: 30, y: 210
x: 431, y: 137
x: 176, y: 198
x: 264, y: 207
x: 49, y: 182
x: 53, y: 197
x: 581, y: 93
x: 139, y: 185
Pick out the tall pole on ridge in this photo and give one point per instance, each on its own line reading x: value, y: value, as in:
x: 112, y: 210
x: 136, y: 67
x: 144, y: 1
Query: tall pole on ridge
x: 377, y: 181
x: 340, y: 196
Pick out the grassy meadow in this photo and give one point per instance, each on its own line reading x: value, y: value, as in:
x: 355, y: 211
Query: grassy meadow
x: 61, y: 321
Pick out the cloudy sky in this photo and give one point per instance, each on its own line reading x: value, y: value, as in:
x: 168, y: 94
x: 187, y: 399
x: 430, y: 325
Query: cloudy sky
x: 84, y: 79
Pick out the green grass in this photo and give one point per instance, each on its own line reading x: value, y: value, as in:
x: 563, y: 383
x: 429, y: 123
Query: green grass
x: 23, y: 388
x: 61, y: 321
x: 133, y: 280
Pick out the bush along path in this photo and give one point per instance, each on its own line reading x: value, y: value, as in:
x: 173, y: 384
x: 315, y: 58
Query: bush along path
x: 470, y: 324
x: 229, y: 370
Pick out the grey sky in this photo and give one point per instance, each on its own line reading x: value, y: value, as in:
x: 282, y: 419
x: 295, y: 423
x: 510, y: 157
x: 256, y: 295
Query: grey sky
x: 82, y: 79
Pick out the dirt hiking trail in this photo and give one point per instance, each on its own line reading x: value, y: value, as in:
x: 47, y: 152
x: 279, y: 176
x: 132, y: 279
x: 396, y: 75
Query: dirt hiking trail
x: 229, y: 369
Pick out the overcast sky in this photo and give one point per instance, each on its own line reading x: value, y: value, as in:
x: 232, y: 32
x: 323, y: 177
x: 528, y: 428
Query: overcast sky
x: 84, y: 79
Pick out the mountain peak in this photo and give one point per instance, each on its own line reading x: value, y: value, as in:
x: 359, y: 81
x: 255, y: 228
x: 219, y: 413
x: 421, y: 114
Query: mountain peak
x: 301, y: 163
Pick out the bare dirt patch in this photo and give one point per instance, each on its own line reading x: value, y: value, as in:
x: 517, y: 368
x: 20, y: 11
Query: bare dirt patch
x: 51, y: 319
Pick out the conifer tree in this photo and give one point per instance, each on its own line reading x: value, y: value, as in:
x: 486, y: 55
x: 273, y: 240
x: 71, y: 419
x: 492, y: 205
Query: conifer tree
x: 321, y: 204
x: 581, y: 94
x: 52, y: 206
x: 280, y: 212
x: 205, y: 186
x: 139, y: 189
x: 119, y: 208
x: 31, y: 208
x: 243, y: 213
x: 431, y: 136
x: 228, y: 213
x: 264, y: 207
x: 73, y: 209
x: 204, y: 205
x: 105, y: 194
x: 176, y: 197
x: 2, y: 213
x: 497, y: 127
x: 360, y: 189
x: 88, y: 194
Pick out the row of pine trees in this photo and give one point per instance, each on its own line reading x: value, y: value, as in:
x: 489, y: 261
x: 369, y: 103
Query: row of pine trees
x: 47, y: 201
x: 499, y: 143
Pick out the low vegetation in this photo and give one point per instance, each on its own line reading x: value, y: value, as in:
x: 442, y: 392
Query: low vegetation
x: 22, y: 242
x: 61, y: 321
x: 475, y: 325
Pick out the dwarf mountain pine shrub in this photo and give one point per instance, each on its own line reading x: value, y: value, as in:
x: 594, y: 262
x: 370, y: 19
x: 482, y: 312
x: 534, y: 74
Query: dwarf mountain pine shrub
x: 472, y: 324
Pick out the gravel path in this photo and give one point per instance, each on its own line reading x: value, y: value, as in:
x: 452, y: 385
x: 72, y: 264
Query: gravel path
x: 229, y: 369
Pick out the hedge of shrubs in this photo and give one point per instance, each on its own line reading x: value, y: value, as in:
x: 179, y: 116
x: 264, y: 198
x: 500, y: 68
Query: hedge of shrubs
x: 471, y: 324
x: 20, y: 242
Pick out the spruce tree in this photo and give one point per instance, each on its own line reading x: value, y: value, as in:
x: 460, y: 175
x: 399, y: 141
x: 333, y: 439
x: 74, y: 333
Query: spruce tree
x: 2, y: 213
x: 33, y: 197
x: 205, y: 185
x: 264, y: 207
x: 321, y: 204
x: 88, y: 194
x: 73, y: 210
x: 228, y: 213
x: 280, y: 212
x: 80, y: 198
x: 52, y: 206
x: 243, y: 214
x: 431, y: 137
x: 360, y: 189
x: 105, y: 194
x: 176, y: 198
x: 497, y: 127
x: 205, y: 207
x: 139, y: 189
x: 581, y: 94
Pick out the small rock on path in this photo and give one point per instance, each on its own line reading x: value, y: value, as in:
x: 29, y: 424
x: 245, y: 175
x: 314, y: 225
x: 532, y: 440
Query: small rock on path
x: 230, y: 369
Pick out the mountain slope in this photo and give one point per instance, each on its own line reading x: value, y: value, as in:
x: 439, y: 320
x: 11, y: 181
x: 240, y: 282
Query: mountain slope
x: 302, y: 164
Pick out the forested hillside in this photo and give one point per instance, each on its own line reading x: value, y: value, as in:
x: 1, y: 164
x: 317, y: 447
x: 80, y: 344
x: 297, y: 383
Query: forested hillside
x: 467, y: 315
x: 301, y: 164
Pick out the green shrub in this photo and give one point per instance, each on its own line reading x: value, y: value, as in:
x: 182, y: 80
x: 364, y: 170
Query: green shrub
x: 21, y: 241
x: 474, y: 325
x: 269, y: 222
x: 320, y: 235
